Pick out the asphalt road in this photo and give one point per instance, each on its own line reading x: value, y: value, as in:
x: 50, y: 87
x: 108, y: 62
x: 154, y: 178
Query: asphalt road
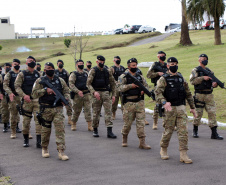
x: 98, y: 161
x: 151, y: 39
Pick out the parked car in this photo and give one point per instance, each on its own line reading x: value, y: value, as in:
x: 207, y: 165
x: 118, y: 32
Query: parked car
x: 31, y: 37
x: 222, y: 23
x: 126, y: 30
x: 207, y: 25
x: 146, y: 29
x: 135, y: 28
x: 54, y: 36
x: 178, y: 29
x: 42, y: 36
x: 118, y: 31
x: 66, y: 34
x: 90, y: 34
x: 107, y: 33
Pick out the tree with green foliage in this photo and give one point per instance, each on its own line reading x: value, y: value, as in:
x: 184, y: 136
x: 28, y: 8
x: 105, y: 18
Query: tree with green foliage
x: 214, y: 8
x: 185, y: 37
x: 67, y: 42
x: 0, y: 47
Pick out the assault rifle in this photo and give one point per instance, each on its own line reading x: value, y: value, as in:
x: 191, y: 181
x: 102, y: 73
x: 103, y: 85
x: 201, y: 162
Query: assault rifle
x: 157, y: 67
x: 160, y: 109
x: 215, y: 79
x: 140, y: 85
x: 58, y: 96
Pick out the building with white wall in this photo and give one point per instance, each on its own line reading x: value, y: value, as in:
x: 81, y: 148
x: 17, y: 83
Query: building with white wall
x: 7, y: 30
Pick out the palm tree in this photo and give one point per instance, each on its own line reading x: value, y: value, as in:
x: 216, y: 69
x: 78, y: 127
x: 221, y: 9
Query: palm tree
x: 213, y: 8
x: 185, y: 38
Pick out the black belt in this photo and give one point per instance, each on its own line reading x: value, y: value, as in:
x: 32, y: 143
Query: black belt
x: 133, y: 100
x: 203, y: 92
x: 101, y: 89
x: 45, y: 106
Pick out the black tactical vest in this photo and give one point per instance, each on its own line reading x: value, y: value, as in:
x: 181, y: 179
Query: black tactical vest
x: 12, y: 80
x: 101, y: 79
x: 118, y: 71
x: 50, y: 98
x: 1, y: 85
x: 135, y: 91
x: 29, y: 80
x: 139, y: 71
x: 157, y: 68
x: 175, y: 91
x: 81, y: 79
x: 62, y: 74
x: 205, y: 85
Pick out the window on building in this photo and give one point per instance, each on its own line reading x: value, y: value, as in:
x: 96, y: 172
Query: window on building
x: 4, y: 20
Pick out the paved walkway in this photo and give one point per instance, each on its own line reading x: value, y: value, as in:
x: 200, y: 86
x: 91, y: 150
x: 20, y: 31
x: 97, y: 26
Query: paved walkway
x: 151, y: 39
x: 98, y: 161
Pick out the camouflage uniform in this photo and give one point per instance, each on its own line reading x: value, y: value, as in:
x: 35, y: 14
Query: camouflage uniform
x: 4, y: 103
x: 65, y: 75
x: 153, y: 74
x: 133, y: 110
x: 53, y: 114
x: 105, y: 99
x: 31, y: 106
x: 206, y: 101
x: 176, y: 117
x: 14, y: 115
x: 116, y: 74
x: 80, y: 102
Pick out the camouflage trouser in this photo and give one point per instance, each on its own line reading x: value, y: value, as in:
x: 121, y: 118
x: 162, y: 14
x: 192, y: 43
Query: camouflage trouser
x: 132, y: 111
x: 156, y: 113
x: 78, y: 104
x: 210, y: 108
x: 176, y: 117
x: 33, y: 107
x: 105, y: 100
x: 14, y: 115
x: 0, y: 106
x: 69, y: 108
x: 115, y: 105
x: 56, y: 116
x: 5, y: 110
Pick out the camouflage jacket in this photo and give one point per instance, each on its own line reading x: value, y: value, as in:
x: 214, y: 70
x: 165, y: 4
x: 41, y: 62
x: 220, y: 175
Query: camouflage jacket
x: 151, y: 72
x: 38, y: 90
x: 160, y: 88
x: 6, y: 84
x: 194, y: 79
x: 125, y: 87
x: 19, y: 82
x: 91, y: 77
x: 72, y: 80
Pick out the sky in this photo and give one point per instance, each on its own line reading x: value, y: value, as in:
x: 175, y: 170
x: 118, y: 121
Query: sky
x: 89, y: 15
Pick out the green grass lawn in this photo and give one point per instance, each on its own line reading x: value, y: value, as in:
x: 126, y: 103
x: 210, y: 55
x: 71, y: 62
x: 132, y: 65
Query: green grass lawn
x: 187, y: 56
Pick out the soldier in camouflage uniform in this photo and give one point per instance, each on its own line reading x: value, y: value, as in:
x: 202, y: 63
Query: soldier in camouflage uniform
x: 88, y: 66
x: 5, y: 99
x: 155, y: 72
x: 172, y: 91
x: 23, y: 85
x: 82, y: 98
x: 133, y: 104
x: 0, y: 98
x: 14, y: 98
x: 61, y: 72
x: 50, y: 113
x: 38, y: 68
x: 116, y: 70
x: 99, y: 82
x: 204, y: 98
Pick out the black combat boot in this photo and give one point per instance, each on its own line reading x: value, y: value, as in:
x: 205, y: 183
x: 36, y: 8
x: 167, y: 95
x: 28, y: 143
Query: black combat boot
x: 38, y: 141
x: 215, y: 135
x: 26, y: 140
x: 18, y: 129
x: 95, y: 132
x: 110, y: 134
x: 5, y: 129
x: 195, y: 132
